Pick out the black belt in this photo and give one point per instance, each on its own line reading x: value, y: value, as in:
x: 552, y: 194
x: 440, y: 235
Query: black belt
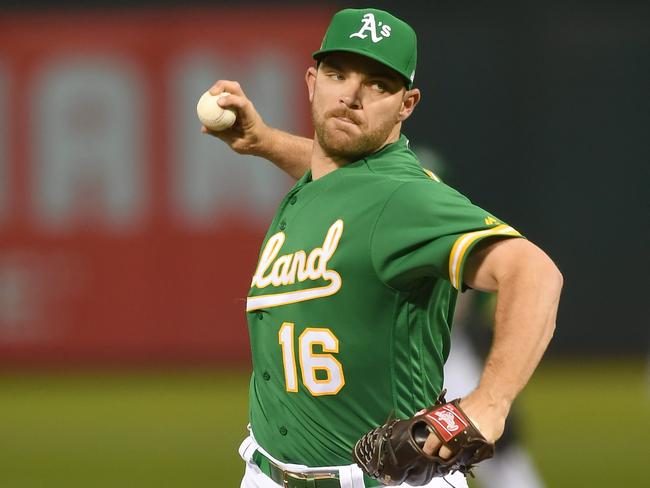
x: 288, y: 479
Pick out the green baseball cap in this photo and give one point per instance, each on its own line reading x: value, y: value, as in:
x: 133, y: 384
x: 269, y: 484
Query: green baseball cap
x: 375, y: 34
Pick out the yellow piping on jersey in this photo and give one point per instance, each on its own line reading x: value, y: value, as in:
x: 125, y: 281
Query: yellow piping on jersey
x: 432, y: 175
x: 464, y: 242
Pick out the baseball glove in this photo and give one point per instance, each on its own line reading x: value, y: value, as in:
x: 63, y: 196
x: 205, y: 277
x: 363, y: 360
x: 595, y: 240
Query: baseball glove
x: 392, y: 453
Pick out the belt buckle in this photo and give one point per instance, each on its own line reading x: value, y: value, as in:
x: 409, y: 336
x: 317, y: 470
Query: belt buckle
x: 287, y: 475
x: 324, y: 476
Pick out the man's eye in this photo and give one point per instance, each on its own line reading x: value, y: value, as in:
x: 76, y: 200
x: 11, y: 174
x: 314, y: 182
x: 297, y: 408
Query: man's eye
x: 336, y: 76
x: 379, y: 86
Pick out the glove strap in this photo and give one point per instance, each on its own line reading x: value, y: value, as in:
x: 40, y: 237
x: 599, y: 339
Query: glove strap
x: 448, y: 421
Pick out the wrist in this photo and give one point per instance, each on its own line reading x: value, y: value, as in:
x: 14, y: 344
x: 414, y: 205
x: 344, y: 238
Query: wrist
x: 264, y: 145
x: 493, y: 399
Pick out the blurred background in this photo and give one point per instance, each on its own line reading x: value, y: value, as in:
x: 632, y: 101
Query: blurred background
x: 128, y: 238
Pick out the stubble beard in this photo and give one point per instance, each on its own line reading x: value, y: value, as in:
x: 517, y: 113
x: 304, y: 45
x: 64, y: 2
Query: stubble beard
x: 346, y: 145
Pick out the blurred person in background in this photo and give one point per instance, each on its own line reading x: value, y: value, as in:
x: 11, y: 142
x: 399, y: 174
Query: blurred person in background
x: 302, y: 434
x: 470, y: 342
x: 470, y: 337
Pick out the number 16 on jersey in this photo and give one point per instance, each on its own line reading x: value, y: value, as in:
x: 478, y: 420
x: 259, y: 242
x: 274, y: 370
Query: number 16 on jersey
x: 331, y: 379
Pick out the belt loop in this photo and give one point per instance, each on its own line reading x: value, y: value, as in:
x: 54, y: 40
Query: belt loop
x: 345, y: 477
x: 351, y: 477
x: 357, y: 477
x: 247, y: 449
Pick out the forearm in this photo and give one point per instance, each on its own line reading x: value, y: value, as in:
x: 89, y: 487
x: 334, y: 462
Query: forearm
x: 290, y: 153
x: 526, y: 310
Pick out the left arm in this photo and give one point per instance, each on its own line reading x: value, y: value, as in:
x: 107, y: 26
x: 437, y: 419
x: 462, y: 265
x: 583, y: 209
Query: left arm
x: 528, y: 286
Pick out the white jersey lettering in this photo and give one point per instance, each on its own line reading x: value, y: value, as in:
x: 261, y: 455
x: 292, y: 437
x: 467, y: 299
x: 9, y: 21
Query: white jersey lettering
x: 299, y: 266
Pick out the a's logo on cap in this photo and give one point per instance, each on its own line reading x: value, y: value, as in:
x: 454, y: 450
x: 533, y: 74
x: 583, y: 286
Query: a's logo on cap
x: 370, y: 25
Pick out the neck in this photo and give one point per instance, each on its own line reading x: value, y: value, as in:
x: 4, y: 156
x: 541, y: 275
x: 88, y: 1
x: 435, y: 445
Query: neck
x: 323, y: 163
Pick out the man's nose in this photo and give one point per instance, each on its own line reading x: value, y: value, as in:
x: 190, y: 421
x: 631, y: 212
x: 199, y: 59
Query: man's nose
x: 351, y: 95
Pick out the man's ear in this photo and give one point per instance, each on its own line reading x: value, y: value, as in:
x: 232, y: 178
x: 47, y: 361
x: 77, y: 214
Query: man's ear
x: 310, y: 79
x: 410, y: 100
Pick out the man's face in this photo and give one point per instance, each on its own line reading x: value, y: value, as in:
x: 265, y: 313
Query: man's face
x: 356, y: 103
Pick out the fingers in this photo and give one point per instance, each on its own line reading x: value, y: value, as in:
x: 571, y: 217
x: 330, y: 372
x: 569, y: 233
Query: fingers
x: 229, y: 86
x: 236, y: 98
x: 233, y: 101
x: 249, y: 131
x: 205, y: 130
x: 433, y: 447
x: 445, y: 452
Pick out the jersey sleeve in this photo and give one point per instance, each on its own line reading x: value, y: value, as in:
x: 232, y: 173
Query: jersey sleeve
x: 427, y: 229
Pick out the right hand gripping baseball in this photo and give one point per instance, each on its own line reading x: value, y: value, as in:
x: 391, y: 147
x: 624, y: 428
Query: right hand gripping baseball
x: 249, y: 133
x: 393, y: 454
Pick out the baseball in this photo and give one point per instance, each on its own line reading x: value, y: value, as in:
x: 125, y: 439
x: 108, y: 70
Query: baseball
x: 212, y: 115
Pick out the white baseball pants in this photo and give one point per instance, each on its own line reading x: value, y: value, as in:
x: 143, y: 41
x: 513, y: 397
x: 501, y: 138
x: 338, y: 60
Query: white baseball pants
x: 350, y: 476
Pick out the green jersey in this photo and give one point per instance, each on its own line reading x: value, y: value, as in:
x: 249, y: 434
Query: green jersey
x: 350, y: 306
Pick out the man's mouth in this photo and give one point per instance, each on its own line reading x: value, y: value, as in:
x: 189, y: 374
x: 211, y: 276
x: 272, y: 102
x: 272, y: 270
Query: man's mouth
x: 344, y: 116
x: 345, y: 119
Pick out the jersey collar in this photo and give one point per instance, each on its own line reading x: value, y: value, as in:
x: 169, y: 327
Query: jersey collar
x: 400, y: 145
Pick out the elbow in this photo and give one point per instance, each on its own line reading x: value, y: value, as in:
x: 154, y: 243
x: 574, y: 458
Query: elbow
x: 554, y: 279
x: 547, y: 280
x: 553, y: 282
x: 544, y: 272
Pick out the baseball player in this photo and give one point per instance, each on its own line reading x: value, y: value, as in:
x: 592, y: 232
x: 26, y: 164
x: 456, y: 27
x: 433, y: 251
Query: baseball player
x: 350, y: 306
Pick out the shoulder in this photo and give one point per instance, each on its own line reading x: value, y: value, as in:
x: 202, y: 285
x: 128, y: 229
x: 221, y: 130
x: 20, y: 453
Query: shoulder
x: 396, y: 161
x: 406, y: 191
x: 428, y: 204
x: 400, y: 166
x: 427, y: 192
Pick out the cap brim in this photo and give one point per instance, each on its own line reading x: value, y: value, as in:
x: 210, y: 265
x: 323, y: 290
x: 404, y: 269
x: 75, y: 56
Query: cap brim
x: 318, y: 55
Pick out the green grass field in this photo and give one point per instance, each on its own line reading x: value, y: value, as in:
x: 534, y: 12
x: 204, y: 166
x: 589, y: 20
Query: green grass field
x: 586, y: 425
